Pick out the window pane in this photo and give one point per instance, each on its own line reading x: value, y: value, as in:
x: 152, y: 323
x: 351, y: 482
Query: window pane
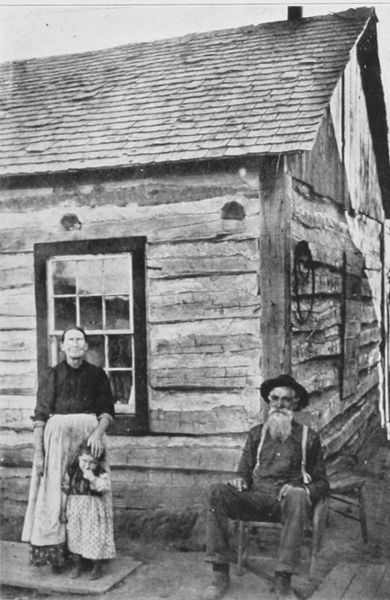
x: 121, y: 384
x: 64, y: 313
x: 95, y: 353
x: 64, y: 277
x: 91, y: 314
x: 119, y: 351
x: 90, y: 276
x: 117, y: 313
x: 116, y: 275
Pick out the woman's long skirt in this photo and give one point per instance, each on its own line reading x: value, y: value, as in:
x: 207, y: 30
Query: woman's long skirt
x: 42, y: 527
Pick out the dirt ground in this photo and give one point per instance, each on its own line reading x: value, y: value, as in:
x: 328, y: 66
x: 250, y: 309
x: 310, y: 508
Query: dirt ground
x: 175, y: 572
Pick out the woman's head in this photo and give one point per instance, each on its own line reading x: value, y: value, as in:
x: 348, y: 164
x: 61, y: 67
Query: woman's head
x: 74, y: 344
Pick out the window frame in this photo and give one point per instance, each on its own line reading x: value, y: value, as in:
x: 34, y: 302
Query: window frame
x: 124, y: 423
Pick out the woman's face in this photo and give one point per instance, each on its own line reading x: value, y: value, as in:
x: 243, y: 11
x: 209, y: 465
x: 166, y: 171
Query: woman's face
x: 74, y: 344
x: 87, y: 462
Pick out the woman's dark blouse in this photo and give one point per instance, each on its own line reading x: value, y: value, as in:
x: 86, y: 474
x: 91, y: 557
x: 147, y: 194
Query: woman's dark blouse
x: 64, y: 390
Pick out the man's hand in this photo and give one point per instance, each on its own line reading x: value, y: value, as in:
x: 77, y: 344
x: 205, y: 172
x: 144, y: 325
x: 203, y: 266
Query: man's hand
x: 239, y: 483
x: 283, y: 491
x: 96, y: 443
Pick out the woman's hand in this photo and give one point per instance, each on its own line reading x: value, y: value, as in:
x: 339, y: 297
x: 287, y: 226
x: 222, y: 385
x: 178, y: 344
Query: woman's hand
x: 96, y: 443
x: 39, y: 462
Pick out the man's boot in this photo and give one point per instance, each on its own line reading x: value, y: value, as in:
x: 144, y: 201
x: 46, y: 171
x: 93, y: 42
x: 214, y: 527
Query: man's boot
x: 219, y: 583
x: 282, y: 586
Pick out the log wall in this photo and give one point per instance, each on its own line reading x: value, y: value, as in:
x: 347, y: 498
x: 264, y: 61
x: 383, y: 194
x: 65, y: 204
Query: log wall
x: 338, y: 210
x: 203, y: 330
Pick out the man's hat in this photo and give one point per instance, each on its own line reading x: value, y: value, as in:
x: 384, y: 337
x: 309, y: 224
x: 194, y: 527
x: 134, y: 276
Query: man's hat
x: 285, y: 381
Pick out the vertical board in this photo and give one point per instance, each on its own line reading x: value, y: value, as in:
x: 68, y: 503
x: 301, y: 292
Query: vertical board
x: 275, y: 266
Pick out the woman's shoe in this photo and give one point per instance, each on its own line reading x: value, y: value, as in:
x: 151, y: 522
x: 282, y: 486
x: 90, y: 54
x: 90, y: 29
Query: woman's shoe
x: 56, y: 569
x: 76, y: 569
x: 97, y: 570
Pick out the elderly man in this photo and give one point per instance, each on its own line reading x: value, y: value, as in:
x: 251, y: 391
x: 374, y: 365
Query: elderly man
x: 273, y: 483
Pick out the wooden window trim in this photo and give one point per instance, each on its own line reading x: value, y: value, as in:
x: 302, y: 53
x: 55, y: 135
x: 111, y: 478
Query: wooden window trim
x: 124, y: 424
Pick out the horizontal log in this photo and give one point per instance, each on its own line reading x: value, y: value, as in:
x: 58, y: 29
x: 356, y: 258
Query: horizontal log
x: 208, y: 453
x: 324, y: 313
x: 17, y: 367
x: 223, y: 419
x: 248, y: 359
x: 16, y: 270
x: 18, y: 302
x: 24, y: 384
x: 318, y: 344
x: 318, y: 375
x: 204, y: 285
x: 192, y: 333
x: 166, y: 188
x: 369, y: 357
x: 203, y: 377
x: 370, y: 335
x: 336, y: 237
x: 203, y: 258
x: 193, y: 400
x: 197, y: 220
x: 17, y: 345
x: 202, y: 305
x: 9, y: 401
x: 213, y: 344
x: 326, y: 283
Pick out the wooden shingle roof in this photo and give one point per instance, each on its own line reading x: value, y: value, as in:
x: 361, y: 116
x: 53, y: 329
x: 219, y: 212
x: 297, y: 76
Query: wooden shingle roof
x: 246, y: 91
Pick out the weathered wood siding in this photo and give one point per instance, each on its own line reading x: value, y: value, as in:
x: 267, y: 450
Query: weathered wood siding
x: 338, y: 210
x: 203, y: 326
x: 203, y: 296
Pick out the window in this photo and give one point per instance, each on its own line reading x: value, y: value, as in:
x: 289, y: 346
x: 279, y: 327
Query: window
x: 100, y: 286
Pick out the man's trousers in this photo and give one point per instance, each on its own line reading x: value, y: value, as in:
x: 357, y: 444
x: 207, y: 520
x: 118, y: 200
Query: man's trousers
x: 224, y: 502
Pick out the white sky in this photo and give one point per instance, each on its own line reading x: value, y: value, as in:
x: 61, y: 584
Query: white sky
x: 29, y: 30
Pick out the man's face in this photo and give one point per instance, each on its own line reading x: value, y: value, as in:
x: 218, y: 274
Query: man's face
x: 74, y: 344
x: 282, y: 399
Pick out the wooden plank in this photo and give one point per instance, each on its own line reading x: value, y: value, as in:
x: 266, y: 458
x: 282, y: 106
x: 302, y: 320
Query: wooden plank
x: 366, y: 582
x: 382, y: 592
x: 336, y: 582
x: 275, y: 286
x: 17, y: 572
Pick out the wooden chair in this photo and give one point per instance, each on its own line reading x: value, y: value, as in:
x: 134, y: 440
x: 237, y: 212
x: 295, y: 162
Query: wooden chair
x: 347, y: 489
x: 250, y: 529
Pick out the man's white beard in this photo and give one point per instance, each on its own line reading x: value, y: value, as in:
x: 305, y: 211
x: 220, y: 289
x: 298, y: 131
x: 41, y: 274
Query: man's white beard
x: 279, y: 423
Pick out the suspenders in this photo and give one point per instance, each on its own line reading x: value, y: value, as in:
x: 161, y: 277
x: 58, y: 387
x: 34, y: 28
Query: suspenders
x: 305, y: 475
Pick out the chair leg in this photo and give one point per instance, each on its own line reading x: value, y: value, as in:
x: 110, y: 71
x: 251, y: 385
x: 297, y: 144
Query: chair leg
x: 363, y: 518
x: 240, y: 549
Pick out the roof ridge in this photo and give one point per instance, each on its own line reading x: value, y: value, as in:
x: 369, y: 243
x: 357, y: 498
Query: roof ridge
x: 349, y: 14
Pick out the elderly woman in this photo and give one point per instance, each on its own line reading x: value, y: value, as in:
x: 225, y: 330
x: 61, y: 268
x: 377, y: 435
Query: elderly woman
x: 74, y: 403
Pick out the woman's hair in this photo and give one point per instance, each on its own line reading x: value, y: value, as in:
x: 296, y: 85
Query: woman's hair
x: 71, y: 329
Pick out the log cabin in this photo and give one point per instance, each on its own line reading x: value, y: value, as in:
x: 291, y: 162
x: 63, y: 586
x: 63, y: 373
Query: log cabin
x: 211, y: 209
